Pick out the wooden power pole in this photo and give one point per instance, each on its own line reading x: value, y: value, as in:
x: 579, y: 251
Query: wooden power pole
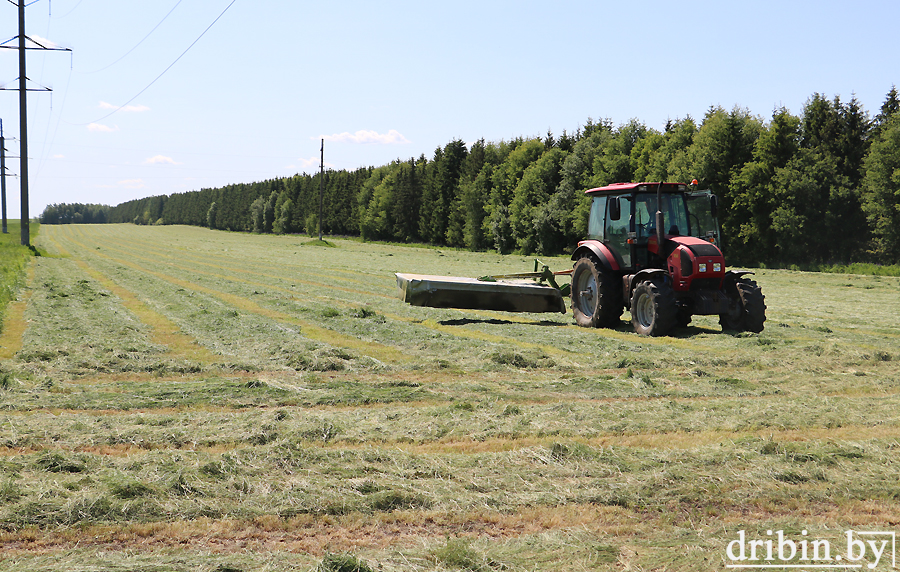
x: 321, y: 185
x: 23, y: 115
x: 3, y: 175
x: 23, y: 128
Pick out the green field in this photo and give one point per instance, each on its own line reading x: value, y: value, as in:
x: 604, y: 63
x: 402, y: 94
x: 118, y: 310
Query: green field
x: 175, y: 398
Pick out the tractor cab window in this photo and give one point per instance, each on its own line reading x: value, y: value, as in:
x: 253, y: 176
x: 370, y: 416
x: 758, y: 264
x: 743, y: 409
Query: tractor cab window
x: 616, y: 235
x: 704, y: 223
x: 674, y: 215
x: 595, y: 221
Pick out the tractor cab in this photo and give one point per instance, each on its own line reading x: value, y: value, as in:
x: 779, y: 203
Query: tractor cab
x: 623, y: 217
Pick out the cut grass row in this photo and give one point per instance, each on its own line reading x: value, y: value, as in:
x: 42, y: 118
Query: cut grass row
x: 496, y: 442
x: 14, y: 260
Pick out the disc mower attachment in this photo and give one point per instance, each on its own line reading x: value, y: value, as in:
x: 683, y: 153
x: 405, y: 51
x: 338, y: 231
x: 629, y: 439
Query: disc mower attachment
x: 490, y: 293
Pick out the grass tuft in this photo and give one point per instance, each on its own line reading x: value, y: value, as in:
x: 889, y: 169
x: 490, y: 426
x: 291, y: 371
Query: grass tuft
x: 388, y: 501
x: 522, y: 361
x: 458, y: 553
x: 130, y: 489
x: 56, y: 462
x: 343, y: 563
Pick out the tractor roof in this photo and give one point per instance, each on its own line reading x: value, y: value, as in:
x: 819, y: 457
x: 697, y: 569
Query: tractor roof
x: 617, y: 188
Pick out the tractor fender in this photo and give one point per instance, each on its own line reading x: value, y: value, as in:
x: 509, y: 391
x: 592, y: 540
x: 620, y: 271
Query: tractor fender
x: 737, y: 273
x: 599, y: 250
x: 641, y: 276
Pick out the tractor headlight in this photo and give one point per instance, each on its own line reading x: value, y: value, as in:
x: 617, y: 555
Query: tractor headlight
x: 717, y: 267
x: 702, y: 267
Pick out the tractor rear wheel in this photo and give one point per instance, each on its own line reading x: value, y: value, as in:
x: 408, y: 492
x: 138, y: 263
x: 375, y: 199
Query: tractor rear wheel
x: 748, y: 306
x: 653, y: 308
x: 596, y: 294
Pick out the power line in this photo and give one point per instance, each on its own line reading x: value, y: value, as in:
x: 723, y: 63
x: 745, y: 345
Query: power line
x: 164, y: 71
x: 139, y: 43
x: 70, y: 11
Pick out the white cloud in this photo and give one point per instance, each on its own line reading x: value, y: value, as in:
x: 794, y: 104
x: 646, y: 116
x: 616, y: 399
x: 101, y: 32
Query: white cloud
x: 132, y: 183
x: 392, y: 137
x: 130, y: 108
x: 160, y: 159
x: 308, y: 165
x: 102, y: 128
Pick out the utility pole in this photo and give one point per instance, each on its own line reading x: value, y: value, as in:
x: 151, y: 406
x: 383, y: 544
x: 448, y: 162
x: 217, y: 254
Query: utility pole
x: 23, y: 116
x: 23, y: 129
x: 321, y: 185
x: 3, y: 175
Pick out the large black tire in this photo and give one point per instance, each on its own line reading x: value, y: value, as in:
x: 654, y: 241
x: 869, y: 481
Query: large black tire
x: 653, y: 308
x: 748, y: 306
x: 596, y: 294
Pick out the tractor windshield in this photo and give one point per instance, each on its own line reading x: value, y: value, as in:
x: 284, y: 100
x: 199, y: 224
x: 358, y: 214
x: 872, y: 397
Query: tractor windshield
x: 704, y: 223
x: 674, y: 213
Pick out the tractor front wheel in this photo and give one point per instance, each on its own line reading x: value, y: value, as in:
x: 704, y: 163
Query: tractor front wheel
x: 748, y: 306
x: 596, y: 294
x: 653, y: 308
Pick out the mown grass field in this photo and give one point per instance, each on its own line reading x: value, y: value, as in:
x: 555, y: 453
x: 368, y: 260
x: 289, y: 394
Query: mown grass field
x: 176, y: 398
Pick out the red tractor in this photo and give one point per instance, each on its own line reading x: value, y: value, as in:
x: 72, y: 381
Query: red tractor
x: 653, y: 248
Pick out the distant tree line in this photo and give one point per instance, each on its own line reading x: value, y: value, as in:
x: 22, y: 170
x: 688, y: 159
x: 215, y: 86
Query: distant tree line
x: 77, y: 213
x: 819, y: 187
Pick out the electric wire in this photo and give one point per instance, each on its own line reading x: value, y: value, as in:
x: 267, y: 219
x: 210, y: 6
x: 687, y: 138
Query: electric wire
x: 49, y: 144
x: 70, y: 11
x: 139, y: 43
x: 138, y: 94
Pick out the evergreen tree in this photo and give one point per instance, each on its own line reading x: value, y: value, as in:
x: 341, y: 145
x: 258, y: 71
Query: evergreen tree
x: 889, y: 108
x: 755, y: 195
x: 474, y: 194
x: 269, y: 213
x: 809, y: 223
x: 504, y: 179
x: 441, y: 191
x: 881, y: 192
x: 408, y: 190
x: 720, y: 149
x: 834, y: 141
x: 533, y: 222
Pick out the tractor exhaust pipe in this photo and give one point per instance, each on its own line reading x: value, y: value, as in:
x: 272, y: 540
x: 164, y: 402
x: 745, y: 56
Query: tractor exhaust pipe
x: 660, y: 235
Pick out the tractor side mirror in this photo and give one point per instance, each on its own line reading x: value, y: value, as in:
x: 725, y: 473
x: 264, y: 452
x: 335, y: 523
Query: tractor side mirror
x: 714, y: 205
x: 615, y: 209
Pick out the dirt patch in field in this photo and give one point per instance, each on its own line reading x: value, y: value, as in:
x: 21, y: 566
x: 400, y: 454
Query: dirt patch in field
x: 315, y: 534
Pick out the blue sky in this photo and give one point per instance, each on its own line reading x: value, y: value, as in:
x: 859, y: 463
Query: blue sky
x: 396, y: 79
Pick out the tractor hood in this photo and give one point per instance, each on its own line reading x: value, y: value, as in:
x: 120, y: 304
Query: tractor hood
x: 697, y: 246
x: 693, y: 261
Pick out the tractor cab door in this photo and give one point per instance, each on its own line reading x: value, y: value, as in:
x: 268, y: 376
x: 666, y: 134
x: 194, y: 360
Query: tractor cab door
x: 702, y: 209
x: 618, y: 230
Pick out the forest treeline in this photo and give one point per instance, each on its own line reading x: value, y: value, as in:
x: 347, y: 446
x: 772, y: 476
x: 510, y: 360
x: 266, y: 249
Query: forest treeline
x: 821, y: 187
x: 75, y: 213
